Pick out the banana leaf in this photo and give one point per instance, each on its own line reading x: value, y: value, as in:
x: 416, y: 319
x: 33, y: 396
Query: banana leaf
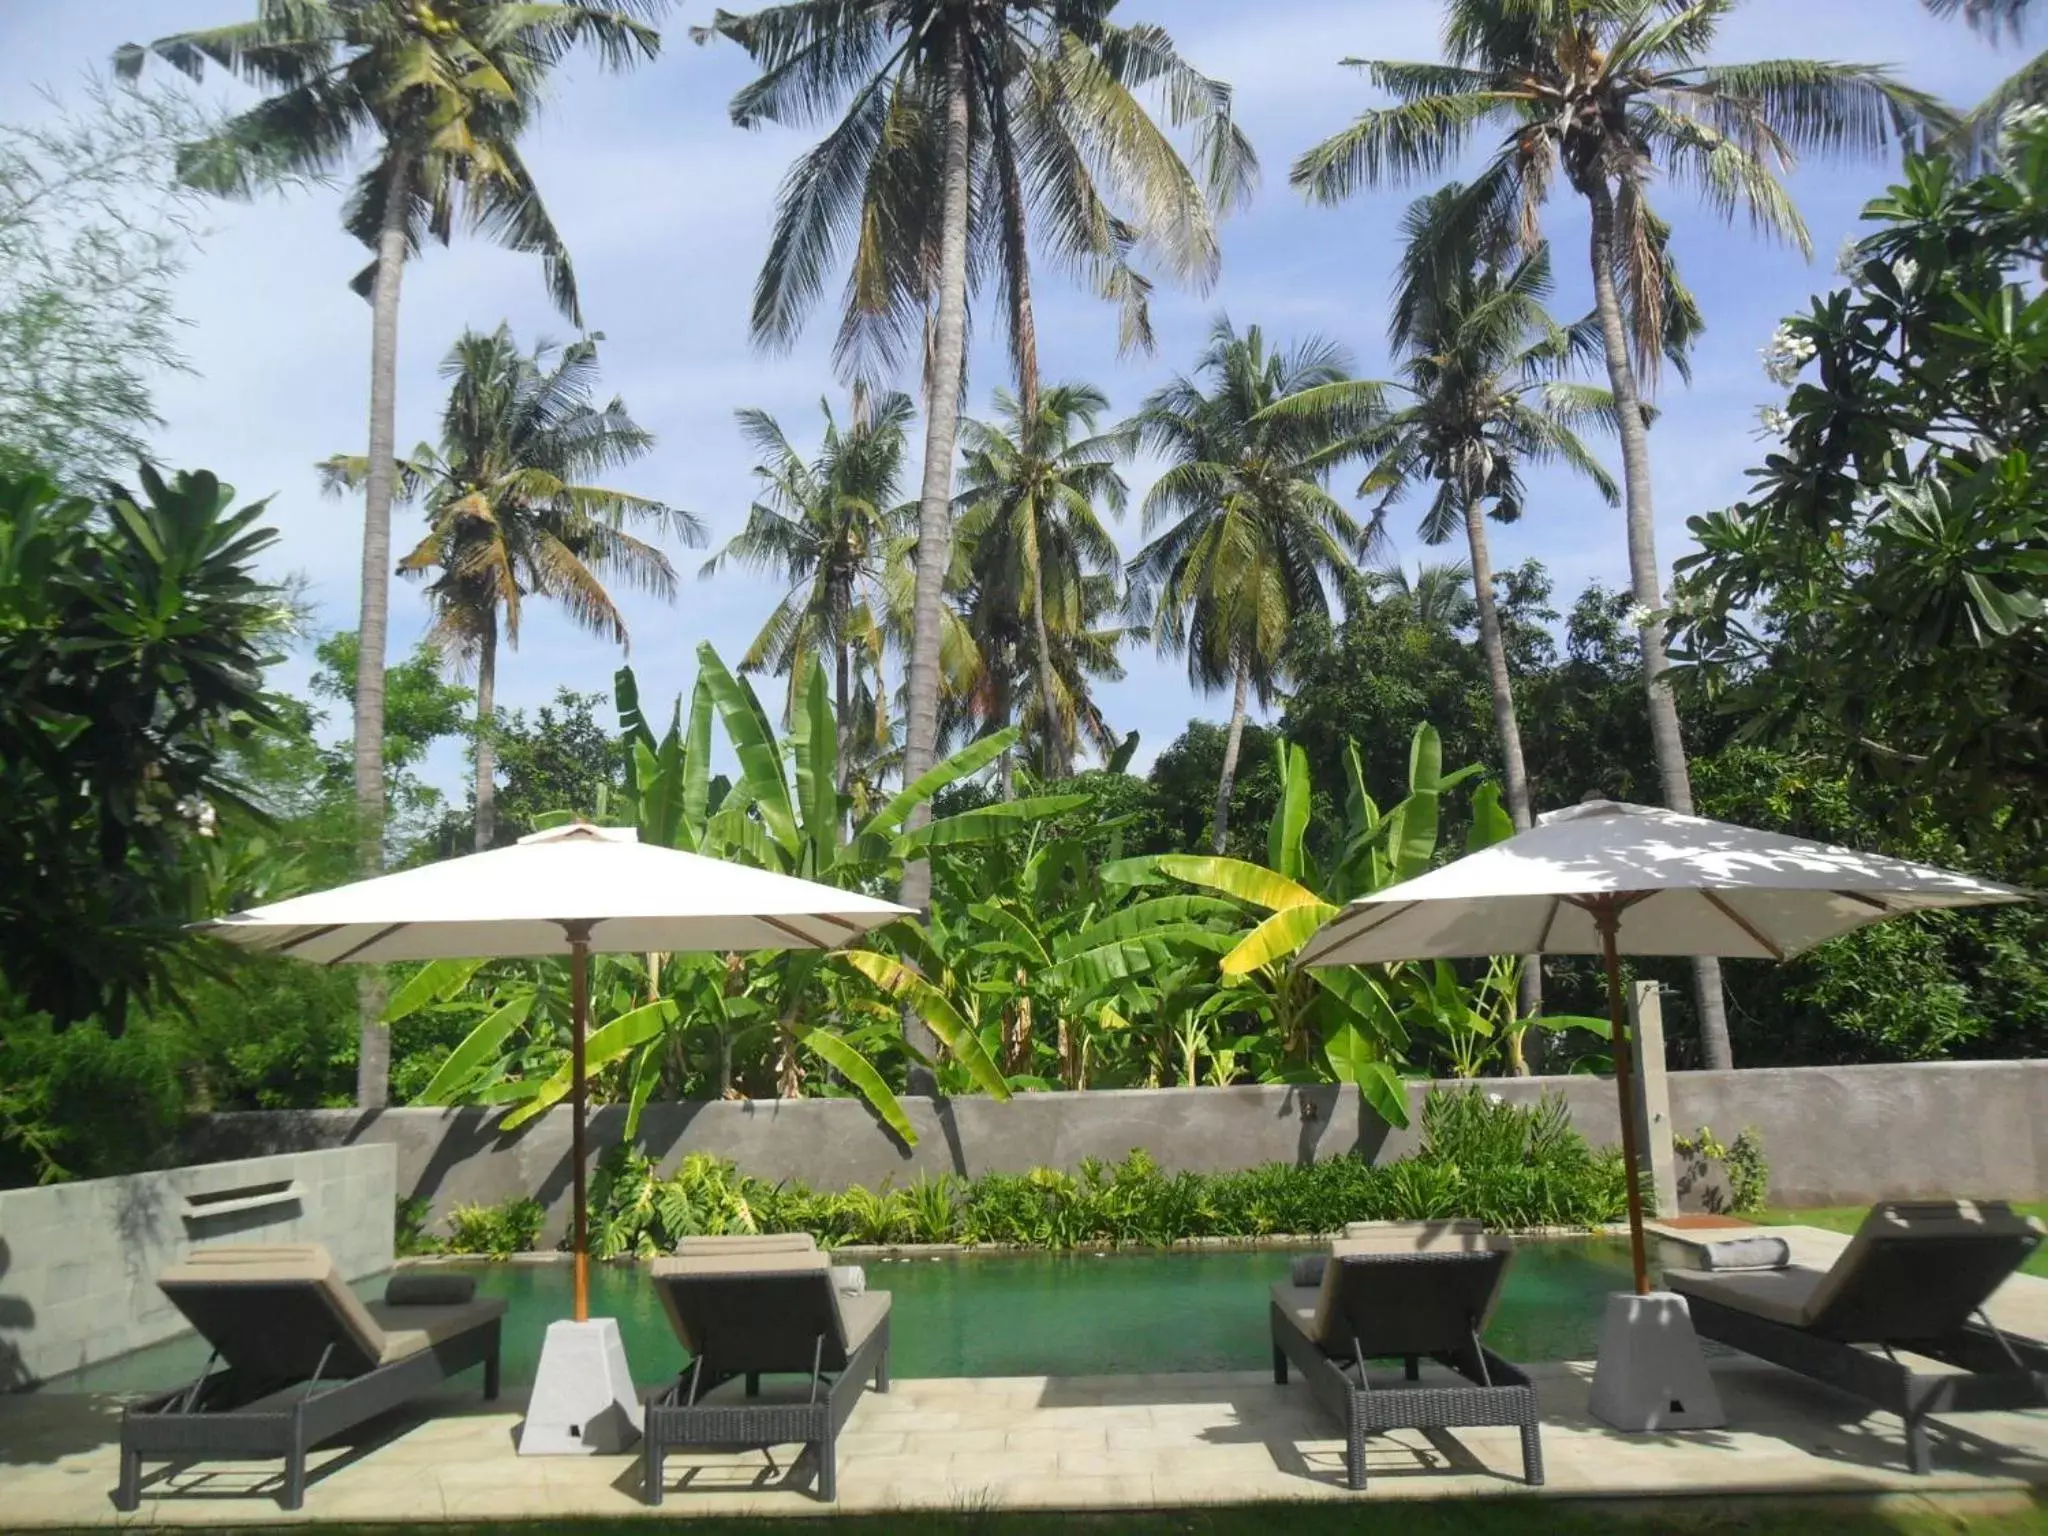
x: 936, y: 1009
x: 435, y: 982
x: 1248, y: 882
x: 479, y: 1047
x: 1278, y: 937
x: 860, y: 1072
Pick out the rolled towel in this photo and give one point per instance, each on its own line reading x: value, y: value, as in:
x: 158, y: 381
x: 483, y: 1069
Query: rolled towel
x: 424, y: 1288
x: 849, y: 1279
x: 1745, y: 1253
x: 1308, y: 1269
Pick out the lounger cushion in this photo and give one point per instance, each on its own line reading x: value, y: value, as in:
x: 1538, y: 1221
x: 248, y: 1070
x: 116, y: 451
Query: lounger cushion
x: 268, y: 1265
x: 860, y: 1315
x: 1299, y: 1302
x: 748, y: 1242
x: 1777, y: 1295
x: 1461, y: 1235
x: 407, y: 1330
x: 1917, y: 1221
x: 426, y: 1288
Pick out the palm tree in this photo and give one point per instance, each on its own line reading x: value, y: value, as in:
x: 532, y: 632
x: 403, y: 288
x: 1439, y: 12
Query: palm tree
x: 1028, y: 514
x: 1254, y: 534
x: 1613, y: 93
x: 1437, y: 595
x: 510, y: 515
x: 1974, y: 134
x: 968, y: 130
x: 444, y: 88
x: 828, y: 524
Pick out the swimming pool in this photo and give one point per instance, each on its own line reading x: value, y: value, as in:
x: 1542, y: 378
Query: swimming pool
x: 1012, y: 1314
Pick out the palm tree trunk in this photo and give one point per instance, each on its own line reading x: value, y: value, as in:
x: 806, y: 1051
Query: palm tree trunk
x: 942, y: 424
x: 843, y: 685
x: 1514, y: 769
x: 1646, y: 584
x: 1228, y: 778
x: 373, y: 1058
x: 486, y: 736
x: 1006, y: 765
x: 1057, y: 764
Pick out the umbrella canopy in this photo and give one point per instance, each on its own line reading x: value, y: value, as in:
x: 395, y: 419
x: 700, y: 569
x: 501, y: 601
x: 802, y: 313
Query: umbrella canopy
x: 1607, y: 878
x: 568, y: 891
x: 1687, y: 886
x: 633, y: 897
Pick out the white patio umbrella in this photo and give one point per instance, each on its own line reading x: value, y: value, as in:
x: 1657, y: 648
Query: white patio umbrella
x: 1607, y: 878
x: 572, y: 890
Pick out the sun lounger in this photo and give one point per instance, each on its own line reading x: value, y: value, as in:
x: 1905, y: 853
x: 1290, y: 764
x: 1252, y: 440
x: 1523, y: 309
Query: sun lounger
x: 748, y: 1308
x: 302, y: 1360
x: 1913, y: 1281
x: 1386, y: 1297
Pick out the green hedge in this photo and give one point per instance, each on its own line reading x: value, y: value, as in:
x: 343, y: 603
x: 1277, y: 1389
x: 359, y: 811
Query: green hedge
x: 1511, y: 1167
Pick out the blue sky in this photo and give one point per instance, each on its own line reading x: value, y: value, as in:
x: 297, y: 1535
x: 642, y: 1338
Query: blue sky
x: 666, y: 206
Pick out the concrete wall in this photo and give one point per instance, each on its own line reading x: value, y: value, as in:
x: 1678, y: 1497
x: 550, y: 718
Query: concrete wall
x: 1833, y: 1135
x: 78, y: 1262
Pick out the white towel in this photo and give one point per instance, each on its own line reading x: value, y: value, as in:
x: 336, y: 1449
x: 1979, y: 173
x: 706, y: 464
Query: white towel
x: 1745, y: 1253
x: 849, y: 1279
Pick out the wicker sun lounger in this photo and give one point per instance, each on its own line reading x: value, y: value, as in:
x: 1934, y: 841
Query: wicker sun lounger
x: 302, y: 1360
x: 1403, y: 1295
x: 1913, y: 1281
x: 752, y: 1307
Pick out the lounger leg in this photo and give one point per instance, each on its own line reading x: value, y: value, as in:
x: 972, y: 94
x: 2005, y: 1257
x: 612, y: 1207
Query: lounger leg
x: 653, y: 1490
x: 1354, y: 1453
x: 1919, y: 1454
x: 128, y: 1491
x: 1532, y: 1454
x: 882, y: 1372
x: 828, y: 1470
x: 294, y: 1495
x: 1413, y: 1367
x: 753, y: 1383
x: 1279, y: 1365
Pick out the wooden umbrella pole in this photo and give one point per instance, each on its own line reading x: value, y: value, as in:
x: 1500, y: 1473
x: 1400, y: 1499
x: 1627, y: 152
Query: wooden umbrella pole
x: 579, y: 1019
x: 1607, y: 917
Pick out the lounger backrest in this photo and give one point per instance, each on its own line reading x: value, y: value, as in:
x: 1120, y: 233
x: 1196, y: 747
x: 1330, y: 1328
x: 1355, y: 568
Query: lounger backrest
x: 1919, y: 1270
x: 272, y: 1311
x: 755, y: 1310
x: 1408, y: 1304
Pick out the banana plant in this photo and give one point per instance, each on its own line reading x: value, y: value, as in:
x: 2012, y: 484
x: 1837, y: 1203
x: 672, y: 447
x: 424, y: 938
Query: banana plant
x: 1340, y: 1023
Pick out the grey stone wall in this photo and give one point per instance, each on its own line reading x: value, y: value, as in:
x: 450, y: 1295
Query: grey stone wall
x: 78, y: 1262
x: 1846, y: 1135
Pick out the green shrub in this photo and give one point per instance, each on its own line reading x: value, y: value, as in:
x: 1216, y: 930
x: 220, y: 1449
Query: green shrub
x: 1749, y: 1173
x: 1507, y: 1165
x: 410, y: 1236
x: 498, y: 1231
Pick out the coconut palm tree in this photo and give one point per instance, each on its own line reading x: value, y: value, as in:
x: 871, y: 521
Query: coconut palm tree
x: 1974, y: 134
x: 828, y: 524
x: 442, y: 89
x: 1033, y: 482
x: 511, y: 515
x: 1253, y: 534
x: 1612, y: 94
x: 964, y: 133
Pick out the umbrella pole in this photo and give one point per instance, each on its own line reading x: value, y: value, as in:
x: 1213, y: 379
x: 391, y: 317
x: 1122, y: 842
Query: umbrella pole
x: 1607, y: 917
x: 579, y: 1018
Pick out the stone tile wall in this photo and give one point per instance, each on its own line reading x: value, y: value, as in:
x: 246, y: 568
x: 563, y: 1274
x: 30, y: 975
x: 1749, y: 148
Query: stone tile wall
x: 78, y: 1262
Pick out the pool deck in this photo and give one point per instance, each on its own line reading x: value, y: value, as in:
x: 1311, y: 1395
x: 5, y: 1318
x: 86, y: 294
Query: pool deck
x: 1064, y: 1443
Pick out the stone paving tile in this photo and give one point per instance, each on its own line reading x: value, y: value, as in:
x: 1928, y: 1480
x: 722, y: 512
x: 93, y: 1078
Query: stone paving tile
x: 1037, y: 1443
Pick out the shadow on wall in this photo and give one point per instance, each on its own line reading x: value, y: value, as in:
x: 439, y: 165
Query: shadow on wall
x: 17, y: 1316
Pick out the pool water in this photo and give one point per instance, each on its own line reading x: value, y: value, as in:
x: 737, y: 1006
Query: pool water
x: 1011, y: 1314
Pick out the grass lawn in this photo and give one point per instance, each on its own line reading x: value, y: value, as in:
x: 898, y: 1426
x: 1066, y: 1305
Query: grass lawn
x: 1426, y: 1517
x: 1847, y: 1218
